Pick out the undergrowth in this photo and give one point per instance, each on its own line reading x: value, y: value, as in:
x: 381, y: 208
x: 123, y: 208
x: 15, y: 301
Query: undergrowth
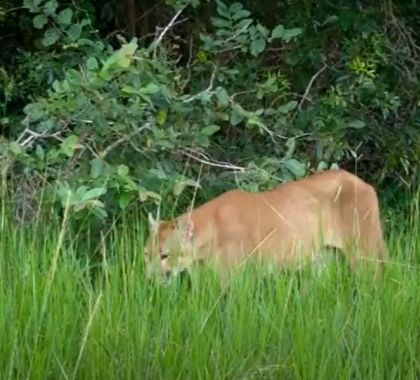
x: 61, y: 319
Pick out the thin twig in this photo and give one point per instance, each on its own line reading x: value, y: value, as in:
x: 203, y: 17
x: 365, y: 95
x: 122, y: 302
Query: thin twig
x: 209, y: 88
x: 233, y: 96
x: 28, y: 137
x: 188, y: 66
x: 199, y: 153
x: 308, y: 88
x: 10, y: 10
x: 122, y: 140
x: 206, y: 160
x: 229, y: 49
x: 212, y: 78
x: 175, y: 23
x: 240, y: 31
x: 167, y: 27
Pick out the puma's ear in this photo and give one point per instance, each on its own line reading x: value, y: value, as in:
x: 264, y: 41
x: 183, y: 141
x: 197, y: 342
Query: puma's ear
x: 186, y: 226
x: 153, y: 223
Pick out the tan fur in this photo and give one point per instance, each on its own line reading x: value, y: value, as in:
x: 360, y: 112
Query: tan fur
x: 286, y: 225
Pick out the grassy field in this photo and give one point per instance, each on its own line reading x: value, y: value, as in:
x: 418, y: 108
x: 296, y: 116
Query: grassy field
x: 60, y: 321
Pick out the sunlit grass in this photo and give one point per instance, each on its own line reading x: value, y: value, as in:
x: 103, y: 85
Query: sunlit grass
x: 61, y: 320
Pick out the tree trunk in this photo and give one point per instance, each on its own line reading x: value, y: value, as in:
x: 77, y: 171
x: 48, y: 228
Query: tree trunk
x: 130, y: 9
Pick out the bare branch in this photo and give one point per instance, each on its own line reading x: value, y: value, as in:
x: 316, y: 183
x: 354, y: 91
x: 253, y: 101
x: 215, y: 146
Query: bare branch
x: 28, y: 137
x: 209, y: 88
x: 311, y: 82
x: 204, y: 159
x: 212, y: 78
x: 167, y: 27
x: 130, y: 10
x: 308, y: 88
x: 190, y: 55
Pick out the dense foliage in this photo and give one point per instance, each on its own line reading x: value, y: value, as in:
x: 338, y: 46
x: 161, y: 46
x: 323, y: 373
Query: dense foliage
x: 104, y: 106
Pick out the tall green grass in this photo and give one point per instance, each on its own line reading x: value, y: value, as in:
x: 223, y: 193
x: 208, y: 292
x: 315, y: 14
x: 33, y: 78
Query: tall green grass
x: 59, y: 319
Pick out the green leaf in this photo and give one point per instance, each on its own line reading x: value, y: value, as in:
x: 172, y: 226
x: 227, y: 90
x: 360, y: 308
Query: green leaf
x: 295, y: 167
x: 34, y: 111
x: 162, y: 116
x: 277, y: 31
x: 127, y: 89
x: 288, y: 34
x: 100, y: 122
x: 150, y: 89
x: 291, y: 146
x: 32, y: 5
x: 322, y: 165
x: 97, y: 167
x: 159, y: 174
x: 93, y: 193
x: 123, y: 170
x: 92, y: 64
x: 210, y: 130
x: 80, y: 191
x: 144, y: 195
x: 257, y: 46
x: 243, y: 25
x: 263, y: 30
x: 47, y: 125
x: 235, y: 7
x: 222, y: 96
x: 285, y: 34
x: 40, y: 21
x: 39, y: 151
x: 356, y: 124
x: 125, y: 54
x: 330, y: 20
x: 65, y: 16
x: 130, y: 185
x: 51, y: 36
x: 16, y: 148
x: 236, y: 117
x: 74, y: 32
x: 65, y: 194
x: 221, y: 23
x: 240, y: 14
x: 178, y: 188
x: 289, y: 106
x: 125, y: 199
x: 222, y: 9
x: 74, y: 77
x: 50, y: 7
x: 69, y: 145
x: 99, y: 211
x: 181, y: 184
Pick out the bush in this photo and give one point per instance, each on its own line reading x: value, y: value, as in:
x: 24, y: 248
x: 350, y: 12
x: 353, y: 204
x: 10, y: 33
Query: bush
x: 111, y: 122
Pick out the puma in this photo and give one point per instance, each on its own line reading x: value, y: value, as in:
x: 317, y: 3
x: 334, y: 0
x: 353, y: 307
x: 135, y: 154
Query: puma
x: 286, y: 225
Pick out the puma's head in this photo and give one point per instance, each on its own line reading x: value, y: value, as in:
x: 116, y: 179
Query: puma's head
x: 168, y: 249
